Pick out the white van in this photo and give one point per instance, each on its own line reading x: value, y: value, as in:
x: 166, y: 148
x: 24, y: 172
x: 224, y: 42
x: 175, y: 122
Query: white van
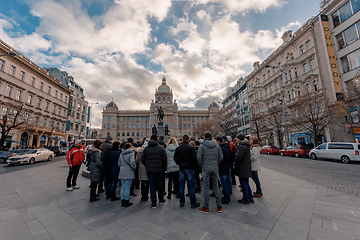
x: 345, y: 152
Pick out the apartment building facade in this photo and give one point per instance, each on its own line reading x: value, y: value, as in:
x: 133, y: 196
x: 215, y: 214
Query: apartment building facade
x: 77, y: 107
x: 23, y: 83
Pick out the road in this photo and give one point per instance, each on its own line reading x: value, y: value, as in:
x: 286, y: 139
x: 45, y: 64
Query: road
x: 4, y: 168
x: 331, y: 174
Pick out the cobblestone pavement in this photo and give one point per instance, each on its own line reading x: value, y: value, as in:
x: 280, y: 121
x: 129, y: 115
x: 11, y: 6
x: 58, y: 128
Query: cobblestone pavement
x: 331, y: 174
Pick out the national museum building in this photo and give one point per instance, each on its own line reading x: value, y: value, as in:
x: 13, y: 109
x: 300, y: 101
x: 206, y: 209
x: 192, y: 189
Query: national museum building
x: 137, y: 124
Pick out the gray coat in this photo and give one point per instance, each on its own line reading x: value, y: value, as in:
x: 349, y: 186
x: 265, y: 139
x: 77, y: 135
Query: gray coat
x: 171, y: 165
x: 95, y: 164
x: 209, y: 156
x: 127, y: 164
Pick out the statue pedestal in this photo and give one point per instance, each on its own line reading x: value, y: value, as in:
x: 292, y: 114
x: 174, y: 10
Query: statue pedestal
x: 160, y: 129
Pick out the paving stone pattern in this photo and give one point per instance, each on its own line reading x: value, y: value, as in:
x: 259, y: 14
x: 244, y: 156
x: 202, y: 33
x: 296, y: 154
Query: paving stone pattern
x: 35, y: 205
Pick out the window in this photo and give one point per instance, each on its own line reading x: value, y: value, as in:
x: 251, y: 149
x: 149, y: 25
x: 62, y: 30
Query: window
x: 41, y: 86
x: 351, y: 61
x: 308, y: 45
x: 33, y: 81
x: 12, y: 70
x: 49, y: 90
x: 315, y: 85
x: 302, y: 49
x: 286, y: 77
x: 22, y: 75
x: 351, y: 34
x: 308, y: 88
x: 305, y: 68
x: 109, y: 126
x: 109, y: 118
x: 159, y: 99
x: 56, y: 93
x: 45, y: 120
x: 289, y: 95
x: 312, y: 64
x: 260, y: 94
x: 264, y: 76
x: 29, y: 100
x: 276, y: 85
x: 65, y: 99
x: 59, y: 110
x: 345, y: 12
x: 293, y: 93
x: 269, y: 73
x: 290, y: 76
x: 39, y: 103
x: 46, y: 106
x: 8, y: 91
x: 2, y: 64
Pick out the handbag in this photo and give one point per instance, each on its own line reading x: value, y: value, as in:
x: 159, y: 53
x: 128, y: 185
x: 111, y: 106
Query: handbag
x: 128, y: 164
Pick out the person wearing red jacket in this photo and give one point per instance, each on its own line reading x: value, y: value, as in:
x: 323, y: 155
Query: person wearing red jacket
x: 74, y: 157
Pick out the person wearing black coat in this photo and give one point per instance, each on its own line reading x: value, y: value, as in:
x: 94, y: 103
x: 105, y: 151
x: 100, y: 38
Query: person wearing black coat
x: 104, y: 181
x: 185, y: 157
x: 224, y: 170
x: 113, y: 171
x: 243, y: 168
x: 154, y: 159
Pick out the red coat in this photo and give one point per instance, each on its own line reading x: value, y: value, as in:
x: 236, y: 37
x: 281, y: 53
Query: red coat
x: 76, y: 155
x: 232, y: 151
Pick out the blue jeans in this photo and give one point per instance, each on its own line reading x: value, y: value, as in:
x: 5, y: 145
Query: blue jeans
x: 226, y: 186
x: 155, y: 182
x: 111, y: 187
x: 255, y: 177
x: 125, y: 188
x: 247, y: 193
x: 189, y: 175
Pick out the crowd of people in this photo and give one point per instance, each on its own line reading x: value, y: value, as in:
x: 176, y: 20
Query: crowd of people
x: 144, y: 166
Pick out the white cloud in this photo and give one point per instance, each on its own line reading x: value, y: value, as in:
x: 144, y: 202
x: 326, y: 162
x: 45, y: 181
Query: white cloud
x: 244, y: 6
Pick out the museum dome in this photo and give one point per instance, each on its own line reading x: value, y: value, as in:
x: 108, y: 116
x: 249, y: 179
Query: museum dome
x: 164, y: 87
x: 112, y: 104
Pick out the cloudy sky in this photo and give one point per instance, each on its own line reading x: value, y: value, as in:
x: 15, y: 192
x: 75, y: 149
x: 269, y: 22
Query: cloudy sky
x: 120, y: 49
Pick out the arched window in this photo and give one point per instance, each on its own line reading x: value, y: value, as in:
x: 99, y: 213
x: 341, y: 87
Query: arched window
x: 159, y: 99
x: 168, y: 99
x: 163, y: 99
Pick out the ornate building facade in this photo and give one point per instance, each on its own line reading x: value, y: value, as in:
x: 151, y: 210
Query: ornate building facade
x: 123, y: 124
x: 25, y: 85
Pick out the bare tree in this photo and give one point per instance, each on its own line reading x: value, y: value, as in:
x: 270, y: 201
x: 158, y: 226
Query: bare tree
x: 12, y: 117
x: 228, y: 121
x: 53, y: 128
x: 312, y: 115
x: 258, y: 124
x: 211, y: 125
x: 276, y: 122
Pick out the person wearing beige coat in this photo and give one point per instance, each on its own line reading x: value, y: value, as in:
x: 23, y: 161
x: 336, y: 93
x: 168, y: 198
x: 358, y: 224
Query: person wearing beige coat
x: 144, y: 181
x: 255, y: 164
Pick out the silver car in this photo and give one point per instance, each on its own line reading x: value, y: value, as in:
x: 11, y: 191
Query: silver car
x: 32, y: 156
x: 345, y: 152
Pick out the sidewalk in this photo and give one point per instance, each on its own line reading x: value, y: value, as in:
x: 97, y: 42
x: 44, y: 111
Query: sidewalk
x: 35, y: 205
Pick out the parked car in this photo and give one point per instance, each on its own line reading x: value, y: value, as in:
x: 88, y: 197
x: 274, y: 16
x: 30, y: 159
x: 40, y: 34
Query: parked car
x: 64, y: 150
x: 345, y: 152
x: 19, y: 151
x: 270, y: 150
x: 4, y: 156
x: 297, y: 151
x: 32, y: 156
x: 55, y: 149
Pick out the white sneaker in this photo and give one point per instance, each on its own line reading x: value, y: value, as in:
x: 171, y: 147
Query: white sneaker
x: 69, y: 189
x: 76, y: 187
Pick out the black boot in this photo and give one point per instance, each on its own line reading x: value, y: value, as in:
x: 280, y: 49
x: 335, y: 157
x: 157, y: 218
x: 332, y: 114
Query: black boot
x: 128, y: 203
x: 123, y: 202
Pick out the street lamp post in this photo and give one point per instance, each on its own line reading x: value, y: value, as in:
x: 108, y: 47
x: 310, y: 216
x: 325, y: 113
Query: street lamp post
x: 282, y: 101
x: 91, y: 104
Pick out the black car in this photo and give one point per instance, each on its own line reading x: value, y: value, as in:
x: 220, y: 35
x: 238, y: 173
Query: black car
x: 4, y: 156
x: 56, y: 150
